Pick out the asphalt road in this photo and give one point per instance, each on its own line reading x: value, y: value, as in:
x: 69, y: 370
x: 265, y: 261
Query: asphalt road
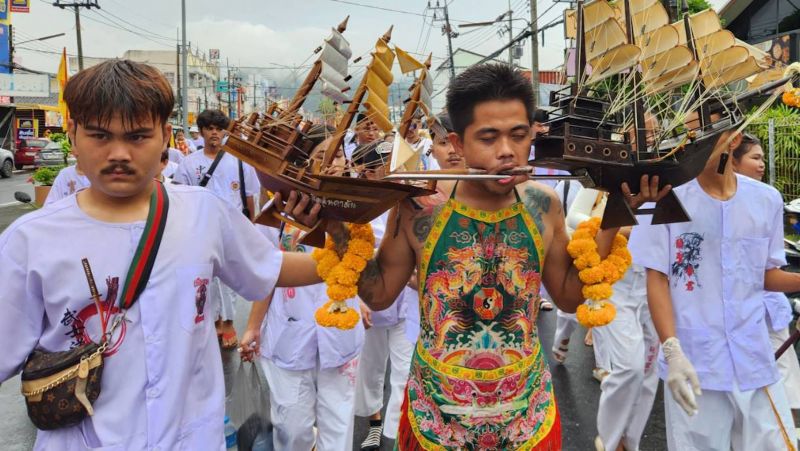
x: 17, y: 182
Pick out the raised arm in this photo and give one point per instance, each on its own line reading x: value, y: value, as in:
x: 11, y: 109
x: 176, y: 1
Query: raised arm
x: 383, y: 279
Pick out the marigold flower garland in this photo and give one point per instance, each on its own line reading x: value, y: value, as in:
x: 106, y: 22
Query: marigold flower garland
x: 791, y: 97
x: 342, y: 274
x: 598, y: 275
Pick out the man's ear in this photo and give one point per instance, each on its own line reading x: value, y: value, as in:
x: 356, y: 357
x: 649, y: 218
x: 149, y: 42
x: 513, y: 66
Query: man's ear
x: 71, y: 128
x: 735, y: 142
x: 167, y: 134
x: 457, y: 142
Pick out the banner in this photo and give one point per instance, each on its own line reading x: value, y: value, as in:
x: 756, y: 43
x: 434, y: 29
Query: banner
x: 27, y: 128
x: 3, y: 10
x: 20, y: 6
x: 4, y: 52
x: 28, y: 85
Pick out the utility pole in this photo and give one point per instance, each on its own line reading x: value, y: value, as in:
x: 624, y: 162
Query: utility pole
x: 230, y: 100
x: 510, y: 35
x: 446, y: 30
x: 185, y: 71
x: 178, y: 85
x: 77, y: 5
x: 534, y: 54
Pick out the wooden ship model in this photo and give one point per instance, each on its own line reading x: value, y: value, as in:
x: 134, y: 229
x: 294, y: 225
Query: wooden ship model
x: 278, y: 147
x: 638, y: 78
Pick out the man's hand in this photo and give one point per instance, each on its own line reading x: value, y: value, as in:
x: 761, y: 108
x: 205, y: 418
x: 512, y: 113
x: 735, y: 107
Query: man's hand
x: 648, y: 192
x: 297, y: 208
x: 366, y: 314
x: 681, y: 377
x: 250, y: 345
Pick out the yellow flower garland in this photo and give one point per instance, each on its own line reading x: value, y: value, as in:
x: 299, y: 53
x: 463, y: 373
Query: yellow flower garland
x: 342, y: 274
x: 598, y: 275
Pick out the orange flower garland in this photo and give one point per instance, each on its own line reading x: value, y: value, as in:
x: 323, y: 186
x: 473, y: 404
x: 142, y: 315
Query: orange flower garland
x: 791, y: 97
x: 598, y: 275
x: 342, y: 274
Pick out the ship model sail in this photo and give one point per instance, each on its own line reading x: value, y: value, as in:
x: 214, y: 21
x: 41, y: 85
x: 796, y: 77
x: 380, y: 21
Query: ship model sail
x: 277, y: 144
x: 650, y: 97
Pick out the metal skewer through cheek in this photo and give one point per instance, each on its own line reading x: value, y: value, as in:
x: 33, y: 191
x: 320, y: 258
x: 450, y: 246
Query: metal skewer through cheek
x: 477, y: 174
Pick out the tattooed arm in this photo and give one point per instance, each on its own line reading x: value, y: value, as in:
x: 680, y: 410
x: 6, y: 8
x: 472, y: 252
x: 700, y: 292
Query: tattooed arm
x: 385, y: 275
x: 558, y: 275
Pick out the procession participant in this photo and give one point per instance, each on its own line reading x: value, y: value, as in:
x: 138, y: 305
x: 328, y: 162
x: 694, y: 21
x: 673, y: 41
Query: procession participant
x: 478, y: 376
x: 165, y: 176
x: 442, y: 151
x: 226, y: 180
x: 69, y: 181
x: 420, y: 144
x: 541, y: 126
x: 705, y: 283
x: 195, y: 138
x: 185, y: 146
x: 365, y: 132
x: 748, y: 160
x: 175, y: 155
x: 385, y: 339
x: 311, y: 369
x: 161, y: 385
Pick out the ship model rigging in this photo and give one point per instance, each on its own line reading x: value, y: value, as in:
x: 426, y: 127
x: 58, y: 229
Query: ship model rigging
x: 278, y: 146
x: 638, y: 81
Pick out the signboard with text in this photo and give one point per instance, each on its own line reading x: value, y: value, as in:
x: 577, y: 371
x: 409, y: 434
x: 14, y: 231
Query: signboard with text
x: 28, y: 85
x: 20, y: 6
x: 27, y: 128
x: 3, y: 9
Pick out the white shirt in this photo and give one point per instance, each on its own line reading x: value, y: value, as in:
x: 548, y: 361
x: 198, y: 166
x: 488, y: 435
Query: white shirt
x: 162, y: 387
x: 349, y: 144
x: 67, y: 182
x: 291, y: 337
x: 225, y: 179
x: 198, y: 143
x: 422, y: 147
x: 175, y: 155
x: 716, y: 265
x: 546, y: 171
x: 170, y: 169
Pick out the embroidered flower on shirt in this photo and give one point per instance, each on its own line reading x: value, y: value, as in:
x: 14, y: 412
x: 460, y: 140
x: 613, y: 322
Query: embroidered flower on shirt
x: 688, y: 255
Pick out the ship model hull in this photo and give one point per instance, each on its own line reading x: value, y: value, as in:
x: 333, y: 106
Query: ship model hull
x: 279, y: 151
x: 581, y: 143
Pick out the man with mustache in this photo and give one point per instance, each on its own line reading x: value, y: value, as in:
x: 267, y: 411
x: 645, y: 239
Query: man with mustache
x: 162, y: 387
x: 226, y: 181
x: 478, y: 375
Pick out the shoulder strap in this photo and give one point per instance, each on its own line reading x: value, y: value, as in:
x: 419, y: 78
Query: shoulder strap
x: 566, y: 195
x: 242, y: 192
x: 146, y: 251
x: 210, y: 171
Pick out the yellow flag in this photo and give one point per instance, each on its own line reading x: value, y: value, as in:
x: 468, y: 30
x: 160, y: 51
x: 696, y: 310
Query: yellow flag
x: 406, y: 61
x: 62, y: 82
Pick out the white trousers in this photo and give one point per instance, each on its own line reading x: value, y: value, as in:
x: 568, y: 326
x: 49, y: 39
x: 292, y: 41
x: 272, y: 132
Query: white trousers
x: 566, y: 324
x: 737, y: 420
x: 630, y: 348
x: 381, y: 343
x: 302, y: 399
x: 224, y: 298
x: 788, y: 367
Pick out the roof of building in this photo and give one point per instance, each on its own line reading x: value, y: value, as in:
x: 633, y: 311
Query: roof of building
x: 732, y: 9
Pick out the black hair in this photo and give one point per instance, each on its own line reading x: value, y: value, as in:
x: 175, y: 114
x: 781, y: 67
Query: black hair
x: 441, y: 124
x: 484, y: 83
x: 318, y: 133
x: 165, y: 155
x: 748, y: 141
x: 209, y: 118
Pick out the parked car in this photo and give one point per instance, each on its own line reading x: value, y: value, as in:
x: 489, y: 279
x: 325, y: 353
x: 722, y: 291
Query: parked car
x: 27, y: 151
x: 7, y: 165
x: 52, y: 155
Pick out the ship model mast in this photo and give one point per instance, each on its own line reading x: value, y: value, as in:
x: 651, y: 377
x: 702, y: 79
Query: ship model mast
x: 280, y: 150
x: 639, y: 126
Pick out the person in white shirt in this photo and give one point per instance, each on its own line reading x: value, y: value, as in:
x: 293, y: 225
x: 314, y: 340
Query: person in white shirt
x: 175, y: 155
x: 196, y: 138
x: 162, y: 382
x: 748, y: 160
x: 311, y: 369
x: 420, y: 144
x: 226, y: 182
x: 386, y: 338
x: 365, y: 132
x: 705, y: 284
x: 69, y: 181
x: 185, y: 146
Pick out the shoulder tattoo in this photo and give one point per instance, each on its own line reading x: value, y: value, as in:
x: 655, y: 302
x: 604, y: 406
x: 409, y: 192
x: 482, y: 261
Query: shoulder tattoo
x: 423, y: 223
x: 538, y: 204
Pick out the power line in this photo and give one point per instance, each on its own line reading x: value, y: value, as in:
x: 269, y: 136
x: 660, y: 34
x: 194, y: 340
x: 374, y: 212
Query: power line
x: 399, y: 11
x: 141, y: 35
x: 149, y: 32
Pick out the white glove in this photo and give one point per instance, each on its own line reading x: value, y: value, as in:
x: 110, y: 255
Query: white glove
x: 681, y: 377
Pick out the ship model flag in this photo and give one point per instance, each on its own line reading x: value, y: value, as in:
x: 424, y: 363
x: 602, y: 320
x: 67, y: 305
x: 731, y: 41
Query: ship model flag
x: 278, y: 146
x: 639, y: 83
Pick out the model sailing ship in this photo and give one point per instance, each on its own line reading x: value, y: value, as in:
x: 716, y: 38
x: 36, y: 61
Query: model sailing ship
x: 279, y: 148
x: 638, y: 79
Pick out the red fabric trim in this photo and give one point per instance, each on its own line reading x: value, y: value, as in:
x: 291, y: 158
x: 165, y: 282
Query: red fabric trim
x: 148, y: 246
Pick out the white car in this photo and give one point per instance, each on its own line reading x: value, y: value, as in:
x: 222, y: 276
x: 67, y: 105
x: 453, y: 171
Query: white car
x: 6, y: 163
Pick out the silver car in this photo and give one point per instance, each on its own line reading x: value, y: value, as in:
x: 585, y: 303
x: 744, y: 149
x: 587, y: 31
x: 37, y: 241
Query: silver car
x: 52, y: 155
x: 7, y: 163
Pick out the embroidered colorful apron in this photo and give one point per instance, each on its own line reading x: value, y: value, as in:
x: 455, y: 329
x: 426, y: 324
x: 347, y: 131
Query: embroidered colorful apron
x: 478, y: 378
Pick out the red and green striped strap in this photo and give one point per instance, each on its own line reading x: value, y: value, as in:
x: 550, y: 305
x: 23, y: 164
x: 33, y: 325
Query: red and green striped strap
x: 147, y: 249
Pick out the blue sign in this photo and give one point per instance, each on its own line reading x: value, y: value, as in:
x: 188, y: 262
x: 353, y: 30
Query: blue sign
x: 5, y: 58
x: 3, y: 9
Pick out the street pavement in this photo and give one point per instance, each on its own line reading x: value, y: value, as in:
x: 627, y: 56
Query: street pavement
x: 576, y: 392
x: 17, y: 182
